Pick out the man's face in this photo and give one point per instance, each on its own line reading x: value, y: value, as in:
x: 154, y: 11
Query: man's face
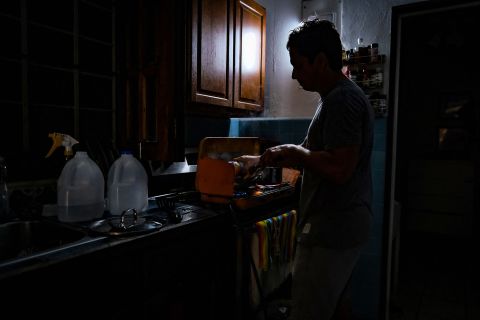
x: 303, y: 70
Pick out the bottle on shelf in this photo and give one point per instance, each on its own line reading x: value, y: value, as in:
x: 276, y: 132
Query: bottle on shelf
x: 374, y: 57
x: 363, y: 56
x: 365, y: 68
x: 351, y: 56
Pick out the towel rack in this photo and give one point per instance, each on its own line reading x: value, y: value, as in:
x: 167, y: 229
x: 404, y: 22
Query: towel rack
x: 245, y: 231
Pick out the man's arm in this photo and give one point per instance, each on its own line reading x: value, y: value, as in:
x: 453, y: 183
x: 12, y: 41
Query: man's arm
x: 336, y: 165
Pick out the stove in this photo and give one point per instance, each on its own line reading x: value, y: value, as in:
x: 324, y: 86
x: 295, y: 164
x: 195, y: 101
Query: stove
x: 180, y: 207
x: 217, y: 177
x: 256, y: 196
x: 220, y: 191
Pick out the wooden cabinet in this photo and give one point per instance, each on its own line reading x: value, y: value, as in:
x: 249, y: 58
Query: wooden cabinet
x: 228, y: 53
x: 212, y: 52
x: 180, y: 56
x: 250, y: 40
x: 153, y: 58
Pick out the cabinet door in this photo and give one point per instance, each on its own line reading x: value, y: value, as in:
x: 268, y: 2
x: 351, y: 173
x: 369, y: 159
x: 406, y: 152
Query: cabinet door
x: 151, y: 80
x: 250, y: 55
x: 156, y: 79
x: 212, y: 52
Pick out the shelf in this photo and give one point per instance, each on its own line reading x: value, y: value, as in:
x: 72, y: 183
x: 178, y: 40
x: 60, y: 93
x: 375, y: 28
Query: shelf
x: 370, y: 84
x: 367, y: 72
x: 366, y: 60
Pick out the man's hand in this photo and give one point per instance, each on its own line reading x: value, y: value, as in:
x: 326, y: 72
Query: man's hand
x: 248, y: 164
x: 285, y: 155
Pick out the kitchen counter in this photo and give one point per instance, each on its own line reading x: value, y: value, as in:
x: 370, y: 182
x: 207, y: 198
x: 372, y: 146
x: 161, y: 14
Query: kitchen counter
x: 180, y: 271
x: 93, y: 242
x: 187, y: 270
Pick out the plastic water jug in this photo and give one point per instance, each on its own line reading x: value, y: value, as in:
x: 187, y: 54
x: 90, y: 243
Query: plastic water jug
x: 127, y: 185
x: 80, y: 190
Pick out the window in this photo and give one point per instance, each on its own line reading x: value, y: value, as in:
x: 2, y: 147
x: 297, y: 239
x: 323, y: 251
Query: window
x: 58, y: 75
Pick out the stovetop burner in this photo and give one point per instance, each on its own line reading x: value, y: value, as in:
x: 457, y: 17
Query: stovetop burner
x: 183, y: 206
x: 180, y: 206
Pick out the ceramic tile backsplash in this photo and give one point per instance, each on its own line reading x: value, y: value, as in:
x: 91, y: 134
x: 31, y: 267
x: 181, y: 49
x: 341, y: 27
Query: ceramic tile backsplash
x: 197, y: 127
x: 281, y: 130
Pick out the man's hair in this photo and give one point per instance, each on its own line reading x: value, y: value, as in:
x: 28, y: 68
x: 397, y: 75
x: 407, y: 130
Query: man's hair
x: 315, y: 36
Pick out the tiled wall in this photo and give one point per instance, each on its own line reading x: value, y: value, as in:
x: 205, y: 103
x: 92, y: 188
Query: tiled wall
x: 282, y: 130
x: 367, y: 276
x: 198, y: 127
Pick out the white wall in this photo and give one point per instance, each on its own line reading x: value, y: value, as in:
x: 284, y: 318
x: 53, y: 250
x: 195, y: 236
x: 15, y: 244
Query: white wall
x: 283, y: 95
x: 368, y: 19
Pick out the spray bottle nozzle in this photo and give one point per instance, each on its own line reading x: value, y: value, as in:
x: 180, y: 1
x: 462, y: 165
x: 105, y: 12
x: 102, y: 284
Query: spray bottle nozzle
x: 61, y: 139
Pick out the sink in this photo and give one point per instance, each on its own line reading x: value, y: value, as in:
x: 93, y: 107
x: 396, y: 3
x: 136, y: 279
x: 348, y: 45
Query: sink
x: 20, y: 239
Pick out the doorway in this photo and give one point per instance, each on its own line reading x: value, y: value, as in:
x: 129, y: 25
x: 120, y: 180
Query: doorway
x: 434, y: 155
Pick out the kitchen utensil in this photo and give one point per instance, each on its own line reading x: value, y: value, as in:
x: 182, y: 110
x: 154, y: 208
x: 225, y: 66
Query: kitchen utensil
x: 127, y: 225
x: 168, y: 205
x: 271, y: 176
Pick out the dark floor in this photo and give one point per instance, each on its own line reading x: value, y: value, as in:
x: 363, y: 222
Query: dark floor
x: 438, y: 279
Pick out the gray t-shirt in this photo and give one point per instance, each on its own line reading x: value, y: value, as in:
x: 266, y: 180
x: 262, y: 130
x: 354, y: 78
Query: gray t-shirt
x: 339, y: 215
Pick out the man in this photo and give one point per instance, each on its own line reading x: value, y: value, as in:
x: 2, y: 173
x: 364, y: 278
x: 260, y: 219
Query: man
x: 336, y: 193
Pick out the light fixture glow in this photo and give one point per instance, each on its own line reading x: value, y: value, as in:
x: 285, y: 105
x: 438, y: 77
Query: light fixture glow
x: 250, y: 51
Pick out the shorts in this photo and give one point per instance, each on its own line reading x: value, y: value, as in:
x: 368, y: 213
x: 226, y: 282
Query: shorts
x: 320, y: 276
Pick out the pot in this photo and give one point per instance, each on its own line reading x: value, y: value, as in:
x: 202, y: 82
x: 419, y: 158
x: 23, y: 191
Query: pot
x: 126, y: 225
x: 271, y: 175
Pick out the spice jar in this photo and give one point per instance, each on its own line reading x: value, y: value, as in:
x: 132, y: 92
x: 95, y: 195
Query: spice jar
x: 374, y: 53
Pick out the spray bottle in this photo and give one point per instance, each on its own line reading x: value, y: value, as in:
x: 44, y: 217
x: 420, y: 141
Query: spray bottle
x: 80, y: 187
x: 64, y: 140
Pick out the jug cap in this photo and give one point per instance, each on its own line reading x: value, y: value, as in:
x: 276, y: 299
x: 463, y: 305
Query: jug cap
x: 126, y: 151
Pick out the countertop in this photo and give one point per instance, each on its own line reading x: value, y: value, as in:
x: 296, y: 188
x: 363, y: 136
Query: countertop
x: 94, y: 242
